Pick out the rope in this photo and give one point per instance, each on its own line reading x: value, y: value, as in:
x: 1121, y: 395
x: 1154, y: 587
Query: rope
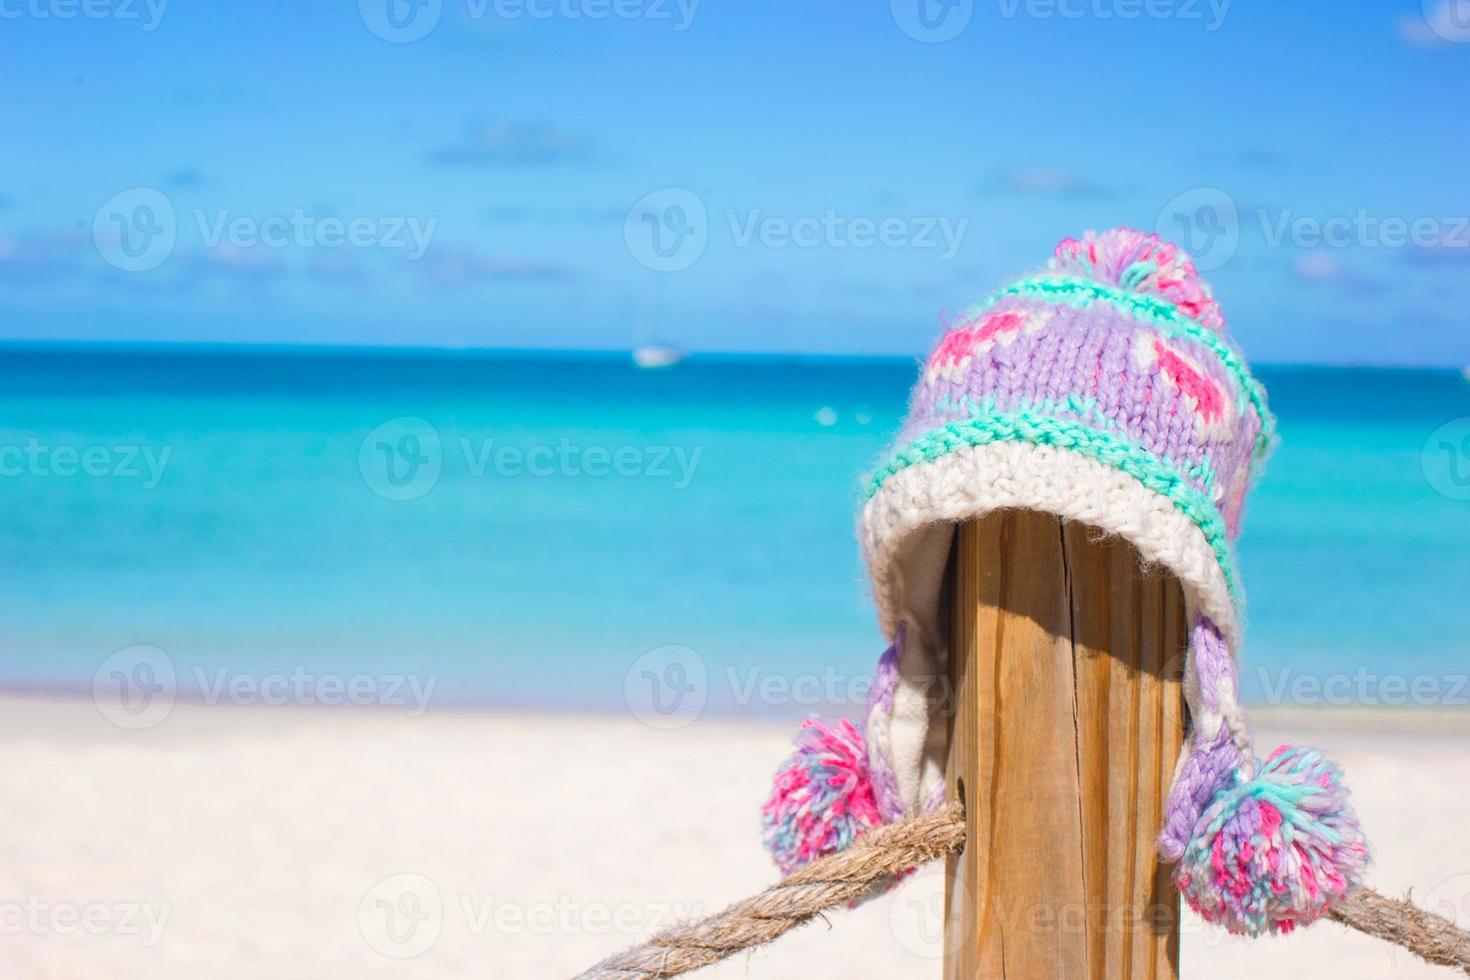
x: 1401, y: 922
x: 883, y: 852
x: 888, y: 851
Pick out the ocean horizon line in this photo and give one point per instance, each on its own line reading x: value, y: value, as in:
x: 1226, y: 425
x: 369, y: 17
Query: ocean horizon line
x: 247, y: 349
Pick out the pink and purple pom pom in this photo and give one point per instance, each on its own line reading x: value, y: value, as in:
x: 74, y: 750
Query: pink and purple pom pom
x: 1276, y: 851
x: 1140, y: 263
x: 823, y: 796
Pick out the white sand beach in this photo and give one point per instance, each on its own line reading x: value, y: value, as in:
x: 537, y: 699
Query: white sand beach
x: 320, y: 843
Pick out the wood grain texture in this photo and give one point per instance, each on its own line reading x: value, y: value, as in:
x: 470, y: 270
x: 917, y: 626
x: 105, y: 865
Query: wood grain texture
x: 1068, y: 717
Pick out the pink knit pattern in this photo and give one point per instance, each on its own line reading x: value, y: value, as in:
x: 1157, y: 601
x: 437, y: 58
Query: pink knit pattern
x: 977, y: 336
x: 1140, y: 263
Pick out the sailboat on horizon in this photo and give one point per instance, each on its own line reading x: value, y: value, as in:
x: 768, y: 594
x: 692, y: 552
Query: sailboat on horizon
x: 649, y: 353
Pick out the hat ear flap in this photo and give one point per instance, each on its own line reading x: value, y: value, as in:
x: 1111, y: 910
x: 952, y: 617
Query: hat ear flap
x: 1259, y: 848
x: 877, y: 716
x: 1217, y: 753
x: 838, y: 784
x: 906, y: 725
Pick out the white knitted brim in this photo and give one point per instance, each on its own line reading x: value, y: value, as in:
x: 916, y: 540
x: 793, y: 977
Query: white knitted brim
x: 906, y: 531
x: 906, y: 553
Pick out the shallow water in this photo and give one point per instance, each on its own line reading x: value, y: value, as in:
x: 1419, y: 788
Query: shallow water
x: 236, y: 510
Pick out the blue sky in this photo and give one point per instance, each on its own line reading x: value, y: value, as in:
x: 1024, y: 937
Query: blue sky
x: 821, y: 175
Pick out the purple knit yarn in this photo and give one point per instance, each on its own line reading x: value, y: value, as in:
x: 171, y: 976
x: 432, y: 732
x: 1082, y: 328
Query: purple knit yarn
x: 1213, y: 764
x: 1081, y: 365
x: 936, y: 797
x: 1213, y: 664
x: 885, y: 678
x: 1207, y: 769
x: 885, y: 681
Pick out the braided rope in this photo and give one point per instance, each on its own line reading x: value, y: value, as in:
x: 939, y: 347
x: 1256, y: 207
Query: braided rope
x: 822, y: 885
x: 890, y: 850
x: 1401, y: 922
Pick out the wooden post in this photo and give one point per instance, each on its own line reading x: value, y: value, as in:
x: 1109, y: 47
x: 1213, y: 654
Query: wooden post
x: 1067, y: 657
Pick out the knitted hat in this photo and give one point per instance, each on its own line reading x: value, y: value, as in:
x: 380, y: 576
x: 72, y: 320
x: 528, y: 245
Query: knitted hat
x: 1105, y: 391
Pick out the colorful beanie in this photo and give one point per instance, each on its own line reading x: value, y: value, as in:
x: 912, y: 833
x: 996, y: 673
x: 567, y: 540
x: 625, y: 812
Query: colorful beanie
x: 1105, y: 391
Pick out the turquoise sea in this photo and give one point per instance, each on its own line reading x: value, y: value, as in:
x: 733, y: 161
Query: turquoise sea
x: 524, y: 528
